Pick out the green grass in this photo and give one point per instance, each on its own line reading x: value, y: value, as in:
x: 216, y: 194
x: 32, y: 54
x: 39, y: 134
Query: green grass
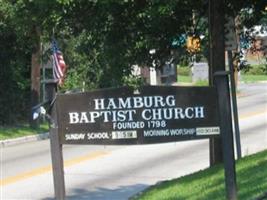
x: 188, y: 79
x: 244, y: 78
x: 255, y: 74
x: 209, y: 184
x: 19, y: 131
x: 253, y: 78
x: 201, y: 83
x: 184, y: 79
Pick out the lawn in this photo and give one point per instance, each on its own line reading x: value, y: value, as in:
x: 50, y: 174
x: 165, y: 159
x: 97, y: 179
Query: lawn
x: 209, y: 184
x: 19, y: 131
x: 253, y: 78
x: 246, y: 78
x: 184, y: 79
x: 255, y: 74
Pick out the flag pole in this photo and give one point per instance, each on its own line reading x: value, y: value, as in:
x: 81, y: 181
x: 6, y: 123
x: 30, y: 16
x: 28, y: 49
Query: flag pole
x: 55, y: 145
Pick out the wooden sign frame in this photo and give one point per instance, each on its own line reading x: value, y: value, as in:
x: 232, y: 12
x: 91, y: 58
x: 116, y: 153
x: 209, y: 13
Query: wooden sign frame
x: 61, y: 122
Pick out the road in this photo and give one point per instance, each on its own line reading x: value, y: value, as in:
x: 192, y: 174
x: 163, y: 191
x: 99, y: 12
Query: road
x: 117, y: 172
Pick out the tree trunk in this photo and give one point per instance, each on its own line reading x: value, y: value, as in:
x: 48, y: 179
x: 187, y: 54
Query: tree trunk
x: 35, y: 74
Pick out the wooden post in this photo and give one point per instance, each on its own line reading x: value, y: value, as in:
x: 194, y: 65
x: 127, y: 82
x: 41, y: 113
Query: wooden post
x: 215, y: 147
x: 221, y: 81
x: 56, y: 152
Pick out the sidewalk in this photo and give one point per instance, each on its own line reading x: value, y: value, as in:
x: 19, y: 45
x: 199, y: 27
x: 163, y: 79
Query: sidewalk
x: 24, y: 139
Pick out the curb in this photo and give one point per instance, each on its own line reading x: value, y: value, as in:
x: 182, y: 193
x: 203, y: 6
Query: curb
x: 138, y: 194
x: 25, y: 139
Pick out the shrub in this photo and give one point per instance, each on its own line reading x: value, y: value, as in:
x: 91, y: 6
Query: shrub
x: 183, y: 71
x: 257, y: 70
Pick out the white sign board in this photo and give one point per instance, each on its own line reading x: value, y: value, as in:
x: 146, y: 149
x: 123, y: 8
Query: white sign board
x: 200, y: 72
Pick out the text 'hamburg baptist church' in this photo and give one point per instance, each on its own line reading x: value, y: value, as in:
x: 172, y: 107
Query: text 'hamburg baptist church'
x: 153, y: 108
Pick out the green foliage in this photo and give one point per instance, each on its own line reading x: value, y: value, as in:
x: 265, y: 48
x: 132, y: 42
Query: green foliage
x: 100, y: 40
x: 123, y: 32
x: 133, y: 81
x: 93, y: 67
x: 184, y: 61
x: 15, y: 68
x: 184, y: 71
x: 83, y: 71
x: 256, y: 70
x: 18, y: 20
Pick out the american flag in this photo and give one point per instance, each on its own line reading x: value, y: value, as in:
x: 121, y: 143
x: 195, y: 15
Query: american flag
x: 59, y: 66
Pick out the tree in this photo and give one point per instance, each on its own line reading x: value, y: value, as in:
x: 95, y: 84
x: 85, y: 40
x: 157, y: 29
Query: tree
x: 23, y: 23
x: 102, y: 39
x: 15, y: 69
x: 122, y: 32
